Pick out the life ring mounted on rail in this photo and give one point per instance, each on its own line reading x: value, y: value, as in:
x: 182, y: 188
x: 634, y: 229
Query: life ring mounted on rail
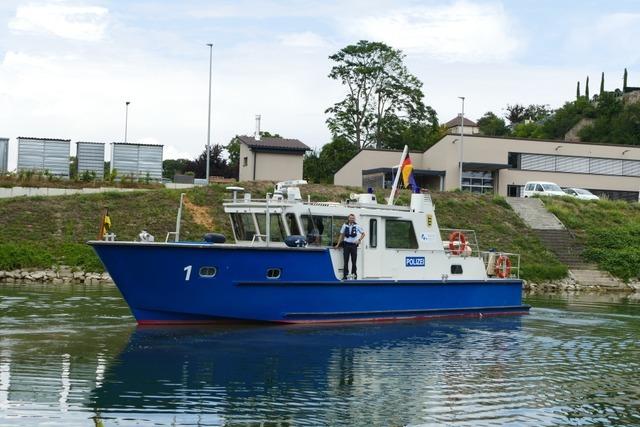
x: 457, y: 242
x: 503, y: 266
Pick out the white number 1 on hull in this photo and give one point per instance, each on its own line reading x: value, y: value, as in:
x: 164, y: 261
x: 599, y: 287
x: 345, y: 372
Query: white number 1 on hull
x: 187, y: 275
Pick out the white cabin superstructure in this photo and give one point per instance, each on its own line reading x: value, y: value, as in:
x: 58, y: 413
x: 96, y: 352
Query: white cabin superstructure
x: 402, y: 243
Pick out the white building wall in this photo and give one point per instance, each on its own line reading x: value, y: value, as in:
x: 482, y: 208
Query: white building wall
x: 269, y: 166
x: 246, y: 163
x: 351, y: 173
x: 445, y: 155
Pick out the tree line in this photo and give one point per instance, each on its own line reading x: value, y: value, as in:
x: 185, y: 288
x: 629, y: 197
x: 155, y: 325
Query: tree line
x: 612, y: 118
x: 384, y: 107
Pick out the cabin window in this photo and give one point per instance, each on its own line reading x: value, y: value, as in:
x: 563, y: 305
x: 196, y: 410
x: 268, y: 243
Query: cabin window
x: 274, y: 273
x: 400, y: 234
x: 208, y: 272
x: 292, y: 222
x: 243, y: 225
x: 373, y: 233
x: 456, y: 269
x: 322, y: 230
x: 277, y: 230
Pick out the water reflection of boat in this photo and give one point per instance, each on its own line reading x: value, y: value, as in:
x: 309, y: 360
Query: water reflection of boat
x: 294, y: 373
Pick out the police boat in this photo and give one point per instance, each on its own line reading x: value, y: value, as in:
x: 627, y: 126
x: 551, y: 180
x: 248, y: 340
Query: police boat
x: 284, y: 266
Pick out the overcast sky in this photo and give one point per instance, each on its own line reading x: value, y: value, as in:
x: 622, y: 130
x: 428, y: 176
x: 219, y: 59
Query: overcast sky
x: 67, y: 67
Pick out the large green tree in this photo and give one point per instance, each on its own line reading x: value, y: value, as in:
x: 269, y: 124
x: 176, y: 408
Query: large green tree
x: 321, y: 165
x: 490, y: 124
x: 383, y: 98
x: 171, y: 167
x: 515, y: 113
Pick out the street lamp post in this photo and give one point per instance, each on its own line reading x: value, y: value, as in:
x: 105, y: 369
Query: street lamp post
x: 461, y: 140
x: 126, y: 119
x: 209, y: 117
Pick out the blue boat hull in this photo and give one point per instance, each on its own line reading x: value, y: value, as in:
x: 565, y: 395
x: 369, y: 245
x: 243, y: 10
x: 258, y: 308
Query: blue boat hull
x: 161, y: 283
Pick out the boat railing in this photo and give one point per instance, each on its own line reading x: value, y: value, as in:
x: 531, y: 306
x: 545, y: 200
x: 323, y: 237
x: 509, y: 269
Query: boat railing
x: 503, y: 265
x: 460, y: 242
x: 260, y: 238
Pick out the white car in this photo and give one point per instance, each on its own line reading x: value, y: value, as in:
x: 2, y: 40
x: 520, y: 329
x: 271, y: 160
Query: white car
x: 581, y: 193
x: 541, y: 188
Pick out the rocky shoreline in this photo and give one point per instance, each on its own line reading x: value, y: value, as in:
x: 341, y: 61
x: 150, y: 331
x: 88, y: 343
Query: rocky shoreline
x: 58, y: 276
x: 570, y: 284
x: 67, y: 275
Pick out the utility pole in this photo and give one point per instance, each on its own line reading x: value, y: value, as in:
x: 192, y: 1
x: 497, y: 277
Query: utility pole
x: 209, y: 118
x: 126, y: 119
x: 461, y: 140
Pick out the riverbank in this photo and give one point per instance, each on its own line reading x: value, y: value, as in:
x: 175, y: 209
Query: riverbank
x: 68, y: 276
x: 41, y: 233
x: 58, y: 276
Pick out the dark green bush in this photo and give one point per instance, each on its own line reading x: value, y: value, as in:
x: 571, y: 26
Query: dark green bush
x: 23, y: 255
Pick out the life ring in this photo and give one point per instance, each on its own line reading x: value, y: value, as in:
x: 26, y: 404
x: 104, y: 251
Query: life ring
x: 461, y: 240
x: 503, y: 266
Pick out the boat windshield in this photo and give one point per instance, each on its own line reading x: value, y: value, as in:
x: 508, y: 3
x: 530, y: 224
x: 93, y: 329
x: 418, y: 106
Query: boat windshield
x: 323, y: 230
x: 277, y: 231
x: 243, y: 226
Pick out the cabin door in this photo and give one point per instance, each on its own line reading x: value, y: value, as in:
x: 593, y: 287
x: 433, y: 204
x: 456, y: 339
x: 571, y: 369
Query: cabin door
x: 372, y: 252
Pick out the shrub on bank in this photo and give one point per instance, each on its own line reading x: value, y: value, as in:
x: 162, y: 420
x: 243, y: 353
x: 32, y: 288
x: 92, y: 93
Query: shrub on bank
x: 14, y: 256
x: 609, y: 229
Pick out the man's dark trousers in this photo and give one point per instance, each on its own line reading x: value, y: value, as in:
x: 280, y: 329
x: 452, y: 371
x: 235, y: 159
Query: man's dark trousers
x: 349, y: 250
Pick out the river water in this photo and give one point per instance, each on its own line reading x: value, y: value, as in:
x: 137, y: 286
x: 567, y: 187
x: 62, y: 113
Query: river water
x: 73, y: 356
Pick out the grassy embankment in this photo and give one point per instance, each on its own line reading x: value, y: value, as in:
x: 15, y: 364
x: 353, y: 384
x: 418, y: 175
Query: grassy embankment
x: 40, y: 232
x: 610, y: 231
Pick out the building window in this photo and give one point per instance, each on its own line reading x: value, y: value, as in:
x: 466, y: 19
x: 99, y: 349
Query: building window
x: 514, y: 160
x: 245, y: 161
x: 577, y: 164
x: 477, y: 182
x: 400, y: 235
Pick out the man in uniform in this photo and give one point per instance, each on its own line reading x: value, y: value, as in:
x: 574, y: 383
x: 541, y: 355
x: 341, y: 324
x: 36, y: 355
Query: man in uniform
x: 351, y: 234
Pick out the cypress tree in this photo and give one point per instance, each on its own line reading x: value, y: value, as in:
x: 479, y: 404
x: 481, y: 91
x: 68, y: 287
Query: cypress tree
x: 586, y: 88
x: 578, y: 91
x: 602, y: 84
x: 624, y: 81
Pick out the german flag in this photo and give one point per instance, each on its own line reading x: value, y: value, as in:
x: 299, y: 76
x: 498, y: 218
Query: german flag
x: 407, y: 174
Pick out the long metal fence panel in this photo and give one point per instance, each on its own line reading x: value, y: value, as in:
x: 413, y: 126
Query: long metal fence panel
x: 137, y: 160
x: 56, y: 157
x: 4, y: 154
x: 151, y: 161
x: 90, y: 158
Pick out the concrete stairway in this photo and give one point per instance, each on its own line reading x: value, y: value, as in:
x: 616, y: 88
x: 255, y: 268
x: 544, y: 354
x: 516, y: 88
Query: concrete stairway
x: 565, y: 247
x: 534, y: 214
x: 555, y: 237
